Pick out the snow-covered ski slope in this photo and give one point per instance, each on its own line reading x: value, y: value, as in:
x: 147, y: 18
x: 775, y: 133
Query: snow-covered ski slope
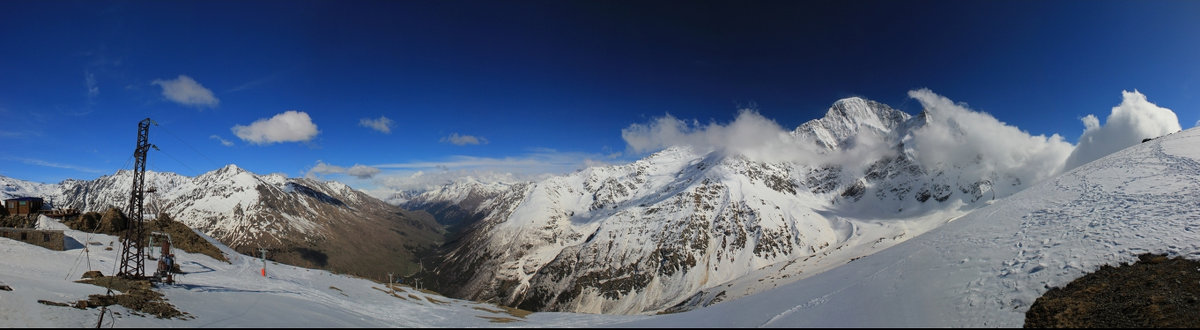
x: 235, y: 294
x: 986, y: 268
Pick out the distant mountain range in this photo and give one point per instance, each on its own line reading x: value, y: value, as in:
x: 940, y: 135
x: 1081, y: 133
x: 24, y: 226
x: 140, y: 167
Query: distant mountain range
x: 304, y: 222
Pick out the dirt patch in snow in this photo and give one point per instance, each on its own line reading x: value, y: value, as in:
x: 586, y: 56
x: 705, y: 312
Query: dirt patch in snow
x: 1156, y: 291
x: 136, y: 295
x: 496, y: 319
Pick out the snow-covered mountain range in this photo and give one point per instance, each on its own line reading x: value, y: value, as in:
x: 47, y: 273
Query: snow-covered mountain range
x: 986, y: 268
x: 983, y: 269
x: 305, y: 222
x: 664, y: 231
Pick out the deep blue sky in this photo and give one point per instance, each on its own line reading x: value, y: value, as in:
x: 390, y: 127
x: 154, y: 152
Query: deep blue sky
x: 545, y: 81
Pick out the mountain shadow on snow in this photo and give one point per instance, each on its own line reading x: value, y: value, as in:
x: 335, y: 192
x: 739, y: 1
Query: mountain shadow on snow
x: 1156, y: 291
x: 320, y: 196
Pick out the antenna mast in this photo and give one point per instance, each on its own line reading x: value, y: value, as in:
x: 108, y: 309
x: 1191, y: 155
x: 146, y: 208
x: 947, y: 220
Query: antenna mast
x: 133, y: 262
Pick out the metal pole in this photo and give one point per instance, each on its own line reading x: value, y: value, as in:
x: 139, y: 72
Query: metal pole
x: 264, y: 261
x: 133, y: 258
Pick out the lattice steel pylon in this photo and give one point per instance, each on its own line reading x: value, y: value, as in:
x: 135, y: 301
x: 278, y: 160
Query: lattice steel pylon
x: 133, y: 258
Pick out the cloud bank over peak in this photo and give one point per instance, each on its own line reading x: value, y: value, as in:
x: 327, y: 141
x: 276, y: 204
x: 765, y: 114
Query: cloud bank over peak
x: 947, y: 135
x: 750, y: 134
x: 982, y: 144
x: 1130, y: 122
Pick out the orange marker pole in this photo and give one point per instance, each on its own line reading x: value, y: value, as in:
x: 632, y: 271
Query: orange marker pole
x: 264, y: 261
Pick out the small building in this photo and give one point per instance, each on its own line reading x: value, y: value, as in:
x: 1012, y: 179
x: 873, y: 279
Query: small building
x: 23, y: 205
x: 50, y: 239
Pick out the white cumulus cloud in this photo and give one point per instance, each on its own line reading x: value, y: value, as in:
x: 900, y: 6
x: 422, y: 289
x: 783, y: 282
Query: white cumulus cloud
x: 383, y: 124
x: 463, y: 140
x: 290, y: 126
x: 1130, y: 122
x: 358, y: 170
x: 186, y: 91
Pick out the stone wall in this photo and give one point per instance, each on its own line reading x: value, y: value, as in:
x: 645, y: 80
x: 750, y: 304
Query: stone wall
x: 50, y: 239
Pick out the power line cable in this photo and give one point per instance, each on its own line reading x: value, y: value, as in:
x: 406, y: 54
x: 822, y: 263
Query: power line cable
x: 214, y: 163
x: 189, y: 167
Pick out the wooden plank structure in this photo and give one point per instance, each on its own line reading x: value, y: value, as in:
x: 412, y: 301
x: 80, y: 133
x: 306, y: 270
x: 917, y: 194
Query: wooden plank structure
x: 23, y: 205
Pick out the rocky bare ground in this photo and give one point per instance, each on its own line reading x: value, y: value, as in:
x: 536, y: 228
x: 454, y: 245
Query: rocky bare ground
x: 1157, y: 291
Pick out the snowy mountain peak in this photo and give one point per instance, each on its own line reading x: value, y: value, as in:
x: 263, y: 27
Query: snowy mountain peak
x: 848, y: 118
x: 276, y: 179
x: 670, y: 154
x: 231, y: 168
x: 866, y: 112
x: 230, y: 174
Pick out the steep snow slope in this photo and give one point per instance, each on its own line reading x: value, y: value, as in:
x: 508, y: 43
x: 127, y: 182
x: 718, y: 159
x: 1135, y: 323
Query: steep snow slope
x: 668, y: 230
x: 220, y: 294
x: 987, y: 268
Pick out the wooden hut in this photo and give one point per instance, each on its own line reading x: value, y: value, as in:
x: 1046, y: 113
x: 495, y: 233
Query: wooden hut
x: 23, y: 205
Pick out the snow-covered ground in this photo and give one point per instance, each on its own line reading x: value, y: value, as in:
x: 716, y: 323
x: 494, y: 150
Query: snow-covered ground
x: 986, y: 268
x: 235, y: 294
x: 983, y: 269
